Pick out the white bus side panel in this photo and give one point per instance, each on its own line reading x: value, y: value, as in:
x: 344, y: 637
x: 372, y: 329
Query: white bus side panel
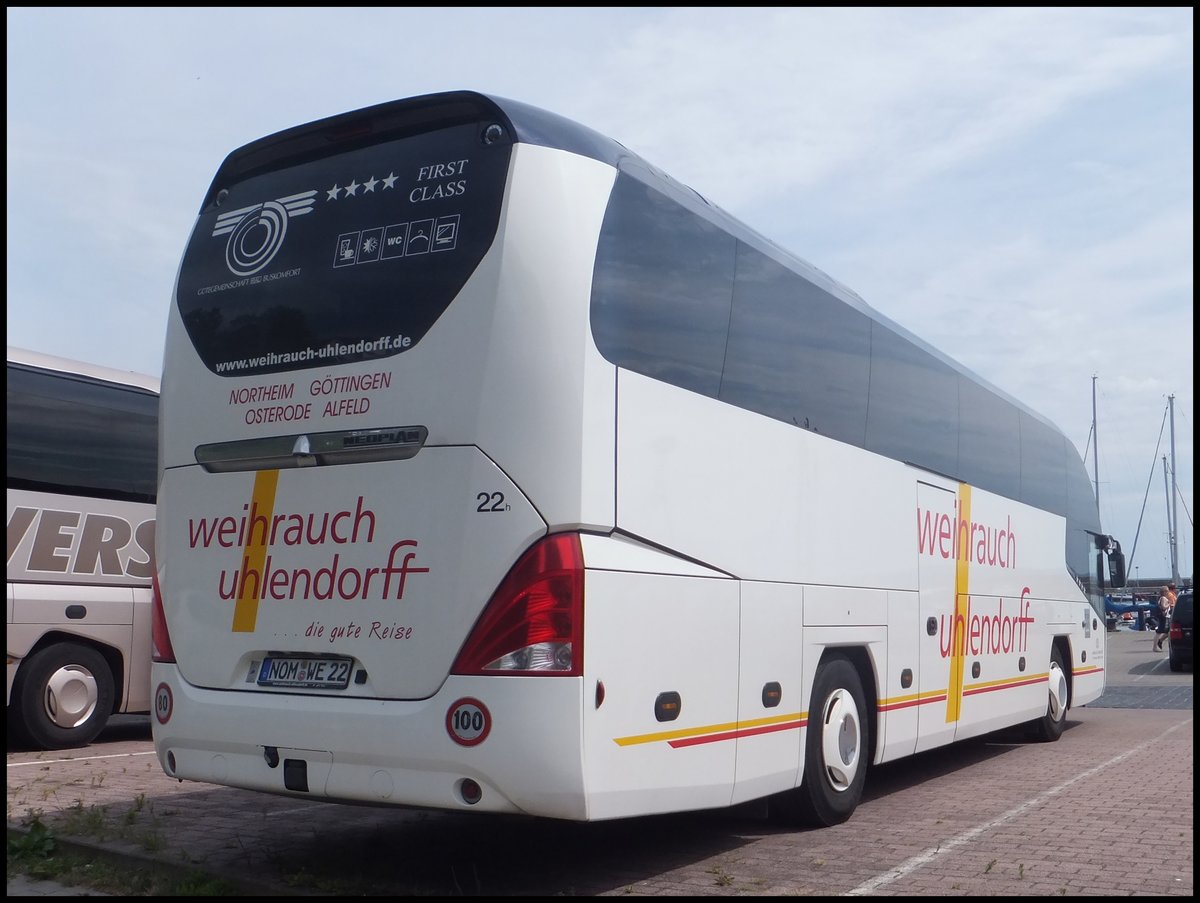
x: 37, y: 605
x: 1008, y: 632
x: 937, y: 575
x: 755, y: 497
x: 770, y: 729
x: 994, y: 593
x: 899, y: 671
x: 621, y: 553
x: 646, y: 635
x: 763, y: 500
x: 540, y: 325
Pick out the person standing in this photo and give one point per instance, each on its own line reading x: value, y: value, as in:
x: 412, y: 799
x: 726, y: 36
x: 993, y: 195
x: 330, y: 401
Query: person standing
x: 1166, y: 602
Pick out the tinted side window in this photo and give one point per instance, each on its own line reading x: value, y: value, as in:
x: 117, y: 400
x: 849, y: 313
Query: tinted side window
x: 680, y: 299
x: 81, y: 437
x: 912, y: 414
x: 989, y: 440
x: 1043, y: 471
x: 1082, y: 522
x: 662, y: 289
x: 795, y: 352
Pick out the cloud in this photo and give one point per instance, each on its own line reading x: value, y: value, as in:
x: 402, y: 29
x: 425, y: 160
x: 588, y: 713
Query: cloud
x: 873, y: 99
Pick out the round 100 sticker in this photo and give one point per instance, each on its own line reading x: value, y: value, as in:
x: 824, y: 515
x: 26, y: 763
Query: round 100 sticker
x: 468, y: 722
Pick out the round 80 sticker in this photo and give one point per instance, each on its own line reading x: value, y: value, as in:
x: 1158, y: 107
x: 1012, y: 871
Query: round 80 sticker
x: 468, y: 722
x: 163, y: 703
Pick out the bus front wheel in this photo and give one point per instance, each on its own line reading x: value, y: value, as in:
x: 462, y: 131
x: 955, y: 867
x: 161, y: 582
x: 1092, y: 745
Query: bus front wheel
x: 62, y: 697
x: 1050, y: 726
x: 836, y: 751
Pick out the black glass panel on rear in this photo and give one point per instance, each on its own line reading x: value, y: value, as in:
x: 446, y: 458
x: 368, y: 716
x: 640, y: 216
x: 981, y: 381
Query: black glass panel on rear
x: 349, y: 257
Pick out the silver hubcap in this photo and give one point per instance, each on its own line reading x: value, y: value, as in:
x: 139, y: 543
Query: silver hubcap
x: 841, y: 739
x: 71, y: 696
x: 1058, y: 693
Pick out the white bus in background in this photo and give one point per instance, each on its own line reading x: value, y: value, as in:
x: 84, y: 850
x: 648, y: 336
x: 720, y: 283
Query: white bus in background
x: 502, y: 473
x: 82, y: 479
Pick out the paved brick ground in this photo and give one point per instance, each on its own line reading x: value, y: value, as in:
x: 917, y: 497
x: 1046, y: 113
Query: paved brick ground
x: 1105, y: 811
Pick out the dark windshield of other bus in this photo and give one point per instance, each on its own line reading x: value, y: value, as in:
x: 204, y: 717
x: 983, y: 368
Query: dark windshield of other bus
x: 81, y: 437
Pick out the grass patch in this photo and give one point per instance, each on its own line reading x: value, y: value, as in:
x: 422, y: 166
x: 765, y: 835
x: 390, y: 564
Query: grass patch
x: 37, y: 854
x: 89, y: 821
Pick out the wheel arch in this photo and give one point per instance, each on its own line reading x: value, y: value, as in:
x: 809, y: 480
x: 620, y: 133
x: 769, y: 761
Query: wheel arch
x: 111, y: 654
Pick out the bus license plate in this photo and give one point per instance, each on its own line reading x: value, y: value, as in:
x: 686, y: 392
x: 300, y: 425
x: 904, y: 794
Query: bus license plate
x: 305, y: 673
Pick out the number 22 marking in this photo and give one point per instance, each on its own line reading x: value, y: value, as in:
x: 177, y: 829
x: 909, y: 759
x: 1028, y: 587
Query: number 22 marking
x: 491, y: 501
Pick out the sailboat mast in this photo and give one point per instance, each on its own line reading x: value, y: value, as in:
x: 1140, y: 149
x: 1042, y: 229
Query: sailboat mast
x: 1170, y: 523
x: 1174, y: 501
x: 1095, y: 448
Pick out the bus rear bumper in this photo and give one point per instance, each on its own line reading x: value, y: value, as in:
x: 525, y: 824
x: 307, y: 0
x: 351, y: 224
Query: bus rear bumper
x: 382, y: 752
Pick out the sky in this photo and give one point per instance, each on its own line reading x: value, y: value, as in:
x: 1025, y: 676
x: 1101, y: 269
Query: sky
x: 1014, y: 185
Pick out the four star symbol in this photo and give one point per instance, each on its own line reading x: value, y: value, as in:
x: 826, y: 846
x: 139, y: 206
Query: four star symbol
x: 351, y: 190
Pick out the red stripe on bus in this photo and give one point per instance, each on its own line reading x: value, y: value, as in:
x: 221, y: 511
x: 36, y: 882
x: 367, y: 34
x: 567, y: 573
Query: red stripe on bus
x: 733, y: 735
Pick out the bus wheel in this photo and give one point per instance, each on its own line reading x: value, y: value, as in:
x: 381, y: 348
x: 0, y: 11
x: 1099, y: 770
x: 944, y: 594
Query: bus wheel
x: 63, y: 695
x: 836, y: 751
x: 1050, y: 726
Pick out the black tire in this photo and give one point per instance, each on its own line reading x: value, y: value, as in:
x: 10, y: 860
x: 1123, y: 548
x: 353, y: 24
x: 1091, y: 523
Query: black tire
x: 1050, y: 726
x: 62, y: 697
x: 1175, y: 662
x: 836, y: 751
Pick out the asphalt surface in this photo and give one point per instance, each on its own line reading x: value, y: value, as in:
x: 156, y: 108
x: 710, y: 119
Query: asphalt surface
x: 1107, y: 810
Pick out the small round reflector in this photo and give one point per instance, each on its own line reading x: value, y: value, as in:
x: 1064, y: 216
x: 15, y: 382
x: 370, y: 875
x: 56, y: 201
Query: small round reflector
x: 471, y: 792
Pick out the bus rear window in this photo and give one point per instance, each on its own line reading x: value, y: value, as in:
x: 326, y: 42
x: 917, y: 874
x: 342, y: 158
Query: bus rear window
x: 348, y: 257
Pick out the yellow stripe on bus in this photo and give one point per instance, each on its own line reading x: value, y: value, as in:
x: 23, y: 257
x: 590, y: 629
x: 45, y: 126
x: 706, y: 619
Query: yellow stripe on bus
x: 254, y: 552
x: 958, y: 641
x: 708, y: 729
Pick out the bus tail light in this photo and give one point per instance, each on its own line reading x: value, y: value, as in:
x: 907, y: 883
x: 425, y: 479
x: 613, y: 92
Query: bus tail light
x: 161, y: 648
x: 533, y: 624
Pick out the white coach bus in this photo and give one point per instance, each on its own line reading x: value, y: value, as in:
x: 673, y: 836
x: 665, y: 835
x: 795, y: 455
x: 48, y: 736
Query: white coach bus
x: 503, y: 473
x: 82, y: 477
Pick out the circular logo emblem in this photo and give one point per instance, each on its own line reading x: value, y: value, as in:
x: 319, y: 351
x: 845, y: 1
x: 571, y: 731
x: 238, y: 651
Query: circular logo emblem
x: 256, y: 239
x: 468, y: 722
x: 163, y: 703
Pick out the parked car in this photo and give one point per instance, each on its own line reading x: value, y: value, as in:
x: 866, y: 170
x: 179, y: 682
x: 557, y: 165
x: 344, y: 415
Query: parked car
x: 1179, y: 640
